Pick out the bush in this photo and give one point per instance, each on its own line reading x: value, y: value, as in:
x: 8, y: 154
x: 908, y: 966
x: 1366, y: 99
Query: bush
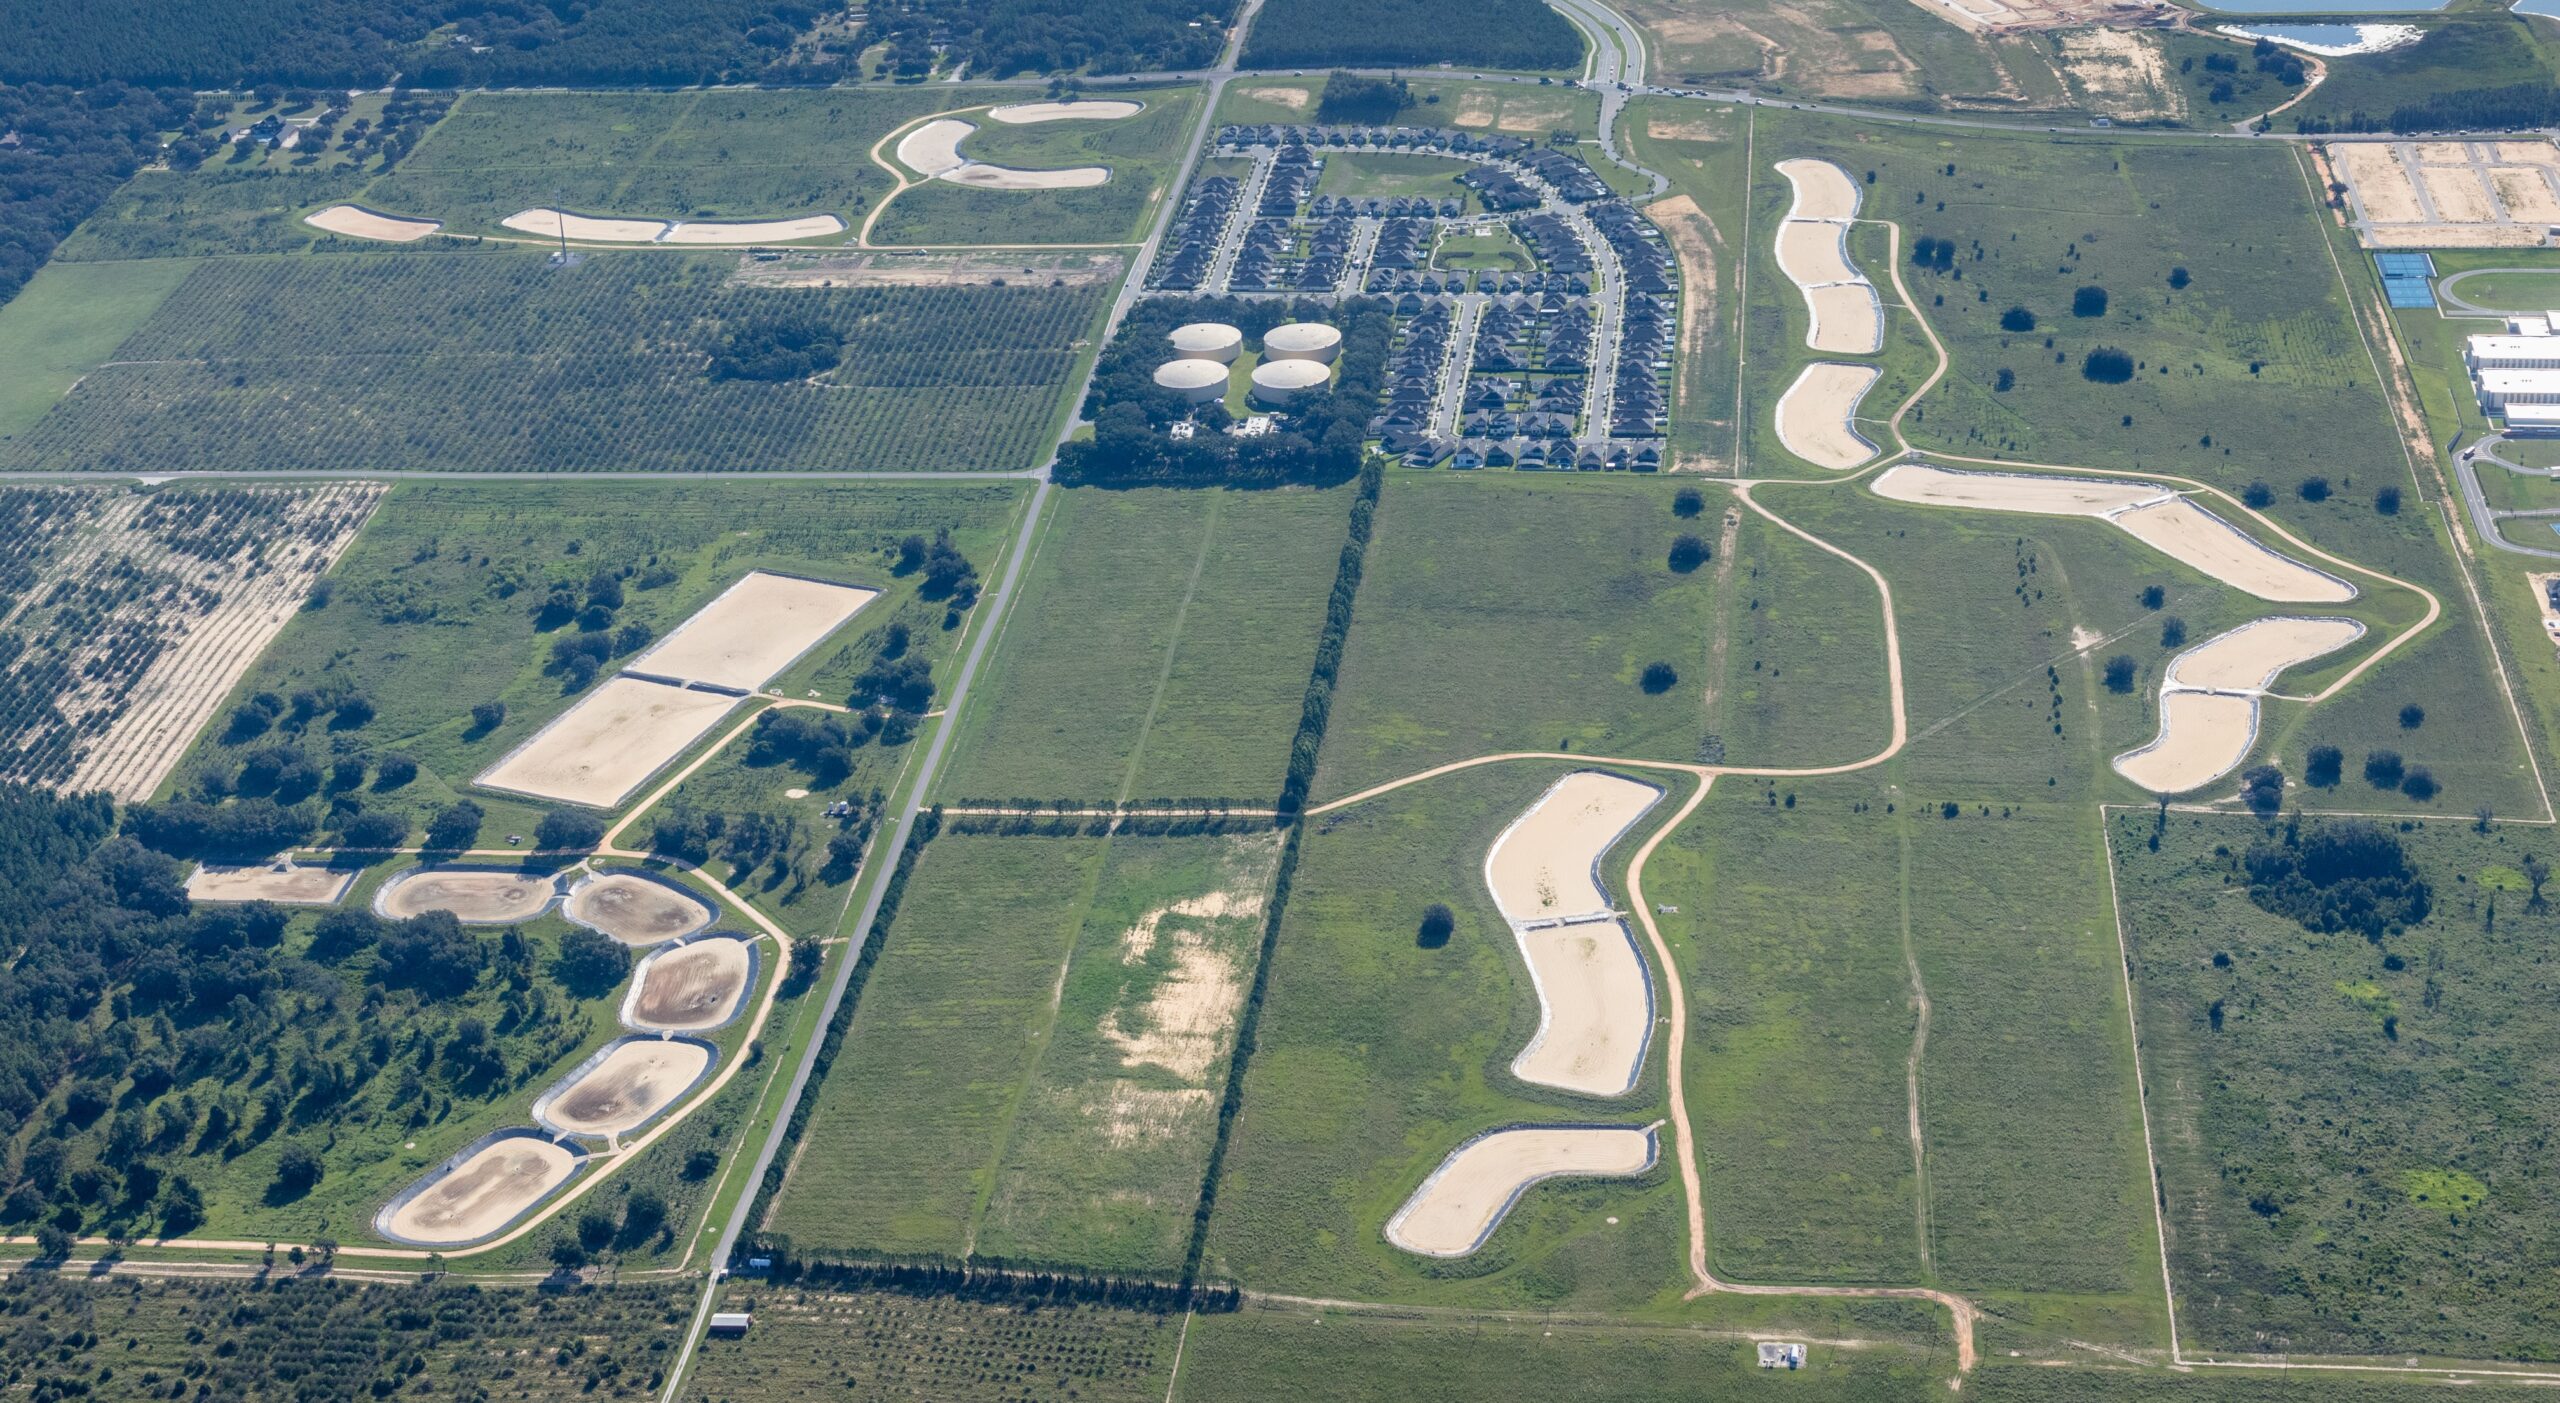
x: 455, y: 827
x: 590, y: 962
x: 2314, y: 489
x: 2419, y: 783
x: 298, y: 1168
x: 488, y: 716
x: 1659, y: 678
x: 393, y: 771
x: 2412, y: 717
x: 2089, y: 302
x: 1438, y: 923
x: 566, y: 830
x: 2342, y: 876
x: 2107, y: 366
x: 1687, y: 554
x: 374, y: 830
x: 2173, y: 632
x: 2262, y: 789
x: 2258, y: 496
x: 2323, y: 766
x: 2153, y: 596
x: 1688, y: 502
x: 2017, y: 319
x: 2382, y: 769
x: 2120, y: 674
x: 2387, y: 501
x: 2178, y: 278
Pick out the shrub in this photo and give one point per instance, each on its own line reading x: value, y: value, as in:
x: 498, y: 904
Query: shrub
x: 2419, y: 783
x: 2412, y: 717
x: 2258, y: 496
x: 590, y: 962
x: 393, y: 771
x: 2382, y: 769
x: 2089, y: 302
x: 2314, y: 489
x: 2017, y: 319
x: 1438, y: 923
x: 2153, y: 596
x: 2107, y: 366
x: 1687, y: 554
x: 2178, y: 278
x: 488, y: 716
x: 2323, y: 766
x: 2004, y: 380
x: 1688, y: 502
x: 2262, y: 789
x: 1659, y: 678
x: 2120, y: 674
x: 297, y: 1169
x: 2173, y: 632
x: 2387, y: 501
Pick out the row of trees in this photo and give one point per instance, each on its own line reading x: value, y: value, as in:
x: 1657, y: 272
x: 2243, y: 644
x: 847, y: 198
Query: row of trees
x: 73, y: 150
x: 1002, y: 38
x: 1523, y: 34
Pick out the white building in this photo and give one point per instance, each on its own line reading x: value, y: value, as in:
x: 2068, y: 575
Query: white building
x: 2517, y: 375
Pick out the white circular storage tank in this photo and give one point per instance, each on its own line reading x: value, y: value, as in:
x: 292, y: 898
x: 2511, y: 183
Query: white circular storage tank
x: 1302, y: 341
x: 1198, y: 381
x: 1215, y: 341
x: 1284, y: 381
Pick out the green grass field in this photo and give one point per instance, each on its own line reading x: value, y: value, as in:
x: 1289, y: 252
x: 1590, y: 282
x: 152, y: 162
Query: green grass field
x: 502, y: 362
x: 2471, y: 46
x: 433, y: 609
x: 2504, y: 288
x: 2297, y: 1130
x: 1702, y: 153
x: 1144, y: 153
x: 1387, y: 175
x: 1033, y: 1072
x: 67, y: 319
x: 1497, y: 252
x: 1160, y: 649
x: 1375, y: 1058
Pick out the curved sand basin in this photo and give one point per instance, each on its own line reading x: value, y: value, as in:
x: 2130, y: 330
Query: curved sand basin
x: 1846, y: 320
x: 553, y: 224
x: 1815, y: 251
x: 2148, y: 511
x: 480, y: 896
x: 1546, y: 865
x: 1467, y: 1197
x: 1092, y: 110
x: 283, y: 885
x: 1817, y: 416
x: 478, y: 1192
x: 2209, y: 699
x: 1822, y: 190
x: 933, y: 150
x: 726, y: 233
x: 690, y: 988
x: 357, y: 222
x: 623, y: 1087
x: 635, y: 908
x: 1595, y: 995
x: 752, y: 630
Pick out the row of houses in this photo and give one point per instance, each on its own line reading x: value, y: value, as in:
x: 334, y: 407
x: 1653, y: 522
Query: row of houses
x: 1414, y: 366
x: 1526, y: 454
x: 1640, y: 394
x: 1448, y: 140
x: 1385, y: 207
x: 1192, y: 242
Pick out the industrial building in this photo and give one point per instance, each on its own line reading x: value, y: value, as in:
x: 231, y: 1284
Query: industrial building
x: 2517, y: 374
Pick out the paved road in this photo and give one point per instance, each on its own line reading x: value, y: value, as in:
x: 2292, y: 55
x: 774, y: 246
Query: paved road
x: 2459, y: 305
x: 535, y: 475
x: 2467, y: 467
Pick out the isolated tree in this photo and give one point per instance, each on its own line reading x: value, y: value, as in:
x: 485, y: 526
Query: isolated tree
x: 2178, y: 278
x: 2383, y: 769
x: 393, y: 771
x: 2004, y: 380
x: 2089, y: 302
x: 805, y: 959
x: 1659, y: 678
x: 2258, y: 496
x: 2106, y: 366
x: 567, y: 830
x: 2173, y: 632
x: 52, y: 1244
x: 1438, y: 923
x: 590, y: 962
x: 2153, y: 596
x: 2120, y: 673
x: 2262, y: 789
x: 2537, y: 872
x: 567, y: 1255
x: 488, y: 716
x: 2314, y: 489
x: 2017, y: 319
x: 2387, y: 501
x: 1688, y: 502
x: 2412, y: 717
x: 2419, y: 783
x: 2322, y: 766
x: 298, y: 1168
x: 1687, y: 554
x: 456, y: 827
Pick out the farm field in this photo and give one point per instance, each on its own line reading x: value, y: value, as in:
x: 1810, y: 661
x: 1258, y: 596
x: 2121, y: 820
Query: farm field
x: 1143, y: 153
x: 1519, y: 612
x: 65, y: 321
x: 1377, y: 1054
x: 334, y: 363
x: 440, y: 607
x: 876, y: 1345
x: 2425, y: 1226
x: 1114, y: 968
x: 1182, y: 625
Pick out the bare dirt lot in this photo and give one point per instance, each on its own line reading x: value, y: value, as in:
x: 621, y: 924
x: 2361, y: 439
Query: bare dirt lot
x: 1816, y: 416
x: 689, y: 989
x: 632, y: 1082
x: 2121, y: 73
x: 634, y: 909
x: 2450, y: 194
x: 284, y: 885
x: 598, y: 751
x: 475, y: 895
x: 754, y: 629
x: 478, y: 1197
x: 1465, y: 1199
x: 1595, y: 1008
x: 1546, y: 864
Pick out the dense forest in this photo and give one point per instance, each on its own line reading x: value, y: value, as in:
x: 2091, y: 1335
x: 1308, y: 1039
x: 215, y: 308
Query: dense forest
x: 1001, y: 38
x: 73, y: 149
x: 1318, y: 441
x: 2513, y: 108
x: 1522, y: 34
x: 432, y: 43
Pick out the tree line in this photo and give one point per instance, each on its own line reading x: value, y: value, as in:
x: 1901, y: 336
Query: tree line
x: 1525, y: 34
x: 73, y: 149
x: 1003, y: 38
x: 986, y: 1279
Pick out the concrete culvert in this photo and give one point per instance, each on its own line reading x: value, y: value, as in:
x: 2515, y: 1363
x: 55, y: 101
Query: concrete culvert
x: 1198, y: 381
x: 1311, y: 341
x: 1215, y: 341
x: 1286, y: 381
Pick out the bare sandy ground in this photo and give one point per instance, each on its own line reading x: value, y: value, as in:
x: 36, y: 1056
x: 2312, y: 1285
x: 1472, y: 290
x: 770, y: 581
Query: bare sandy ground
x: 1847, y: 320
x: 356, y: 222
x: 2381, y: 184
x: 981, y: 176
x: 286, y: 886
x: 598, y: 751
x: 2209, y: 699
x: 934, y: 147
x: 2450, y: 236
x: 1090, y: 110
x: 2509, y: 200
x: 1813, y: 252
x: 2459, y: 195
x: 634, y: 909
x: 2442, y: 153
x: 633, y: 1081
x: 2149, y: 512
x: 549, y: 223
x: 2251, y: 657
x: 1295, y: 99
x: 480, y: 896
x: 1546, y: 864
x: 689, y: 989
x: 483, y: 1193
x: 1199, y: 947
x: 2122, y: 72
x: 2527, y: 193
x: 1466, y: 1198
x: 2525, y: 153
x: 1822, y: 190
x: 1816, y: 414
x: 754, y: 629
x: 731, y: 233
x: 1595, y: 1008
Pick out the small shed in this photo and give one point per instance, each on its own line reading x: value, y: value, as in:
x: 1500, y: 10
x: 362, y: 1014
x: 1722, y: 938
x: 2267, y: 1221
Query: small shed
x: 730, y: 1322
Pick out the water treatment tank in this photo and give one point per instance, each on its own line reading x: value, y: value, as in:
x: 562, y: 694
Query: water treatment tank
x: 1302, y: 341
x: 1198, y: 381
x: 1279, y: 382
x: 1215, y: 341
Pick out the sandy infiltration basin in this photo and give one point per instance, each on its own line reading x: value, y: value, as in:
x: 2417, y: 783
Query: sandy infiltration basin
x: 2209, y: 699
x: 635, y: 910
x: 476, y: 1198
x: 1817, y: 416
x: 1465, y: 1199
x: 730, y: 233
x: 554, y: 224
x: 356, y: 222
x: 485, y: 896
x: 691, y: 988
x: 933, y: 150
x: 621, y: 1090
x: 1098, y: 110
x: 603, y: 748
x: 286, y: 886
x: 2149, y: 512
x: 1595, y: 997
x: 1847, y: 319
x: 754, y: 629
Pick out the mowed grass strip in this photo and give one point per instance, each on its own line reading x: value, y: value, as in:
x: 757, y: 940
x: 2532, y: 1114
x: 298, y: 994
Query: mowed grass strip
x: 1518, y: 612
x: 1160, y: 649
x: 1375, y: 1057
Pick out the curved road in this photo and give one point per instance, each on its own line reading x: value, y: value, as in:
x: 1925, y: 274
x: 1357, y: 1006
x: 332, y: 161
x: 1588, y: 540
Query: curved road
x: 2485, y: 518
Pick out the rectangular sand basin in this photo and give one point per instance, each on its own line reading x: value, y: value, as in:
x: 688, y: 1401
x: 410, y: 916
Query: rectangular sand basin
x: 486, y: 1191
x: 625, y: 1088
x: 753, y: 630
x: 289, y: 886
x: 1466, y: 1198
x: 598, y: 751
x: 1595, y: 1008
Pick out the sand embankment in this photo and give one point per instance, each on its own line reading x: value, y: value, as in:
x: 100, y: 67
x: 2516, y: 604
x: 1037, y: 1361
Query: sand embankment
x: 2147, y: 511
x: 1817, y: 416
x: 2210, y: 699
x: 623, y: 1088
x: 283, y: 884
x: 479, y: 1194
x: 636, y: 909
x: 1466, y: 1198
x: 1089, y: 110
x: 754, y: 629
x: 357, y: 222
x: 486, y: 896
x: 692, y: 988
